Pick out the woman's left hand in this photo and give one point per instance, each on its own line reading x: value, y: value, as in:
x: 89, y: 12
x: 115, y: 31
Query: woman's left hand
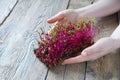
x: 97, y: 50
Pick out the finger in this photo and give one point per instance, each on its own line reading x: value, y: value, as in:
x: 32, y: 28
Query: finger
x: 55, y: 18
x: 76, y: 59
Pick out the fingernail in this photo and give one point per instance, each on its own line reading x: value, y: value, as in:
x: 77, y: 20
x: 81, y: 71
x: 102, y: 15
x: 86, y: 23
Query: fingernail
x: 84, y: 53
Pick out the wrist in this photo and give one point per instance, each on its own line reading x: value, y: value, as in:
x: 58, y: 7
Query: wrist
x: 116, y: 41
x: 84, y: 12
x: 80, y: 12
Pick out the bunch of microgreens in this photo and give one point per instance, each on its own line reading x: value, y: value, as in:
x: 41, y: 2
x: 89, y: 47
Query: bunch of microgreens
x: 65, y: 40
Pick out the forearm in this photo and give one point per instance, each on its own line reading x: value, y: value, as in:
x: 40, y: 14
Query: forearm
x: 100, y: 9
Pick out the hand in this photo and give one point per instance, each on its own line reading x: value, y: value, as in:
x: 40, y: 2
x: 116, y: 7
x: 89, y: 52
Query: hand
x: 99, y: 49
x: 71, y: 15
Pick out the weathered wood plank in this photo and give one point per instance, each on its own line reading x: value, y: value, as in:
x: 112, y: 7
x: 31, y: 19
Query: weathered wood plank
x: 6, y: 7
x: 76, y: 71
x: 107, y: 67
x: 17, y: 59
x: 58, y: 72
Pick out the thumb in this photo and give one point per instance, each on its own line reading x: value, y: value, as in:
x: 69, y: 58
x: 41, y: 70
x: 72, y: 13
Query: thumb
x: 90, y: 50
x: 76, y: 59
x: 55, y: 18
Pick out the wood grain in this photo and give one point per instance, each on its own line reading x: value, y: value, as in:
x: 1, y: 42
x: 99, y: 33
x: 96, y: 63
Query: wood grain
x: 56, y: 73
x: 6, y: 7
x: 18, y: 33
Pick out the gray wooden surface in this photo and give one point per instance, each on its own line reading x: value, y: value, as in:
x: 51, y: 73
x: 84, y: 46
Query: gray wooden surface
x: 6, y: 7
x: 19, y: 21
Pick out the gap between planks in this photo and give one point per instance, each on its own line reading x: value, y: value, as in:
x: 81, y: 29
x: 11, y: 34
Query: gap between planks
x: 4, y: 19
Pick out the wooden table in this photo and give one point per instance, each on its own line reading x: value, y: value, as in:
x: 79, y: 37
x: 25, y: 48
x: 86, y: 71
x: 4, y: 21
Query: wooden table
x: 19, y: 22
